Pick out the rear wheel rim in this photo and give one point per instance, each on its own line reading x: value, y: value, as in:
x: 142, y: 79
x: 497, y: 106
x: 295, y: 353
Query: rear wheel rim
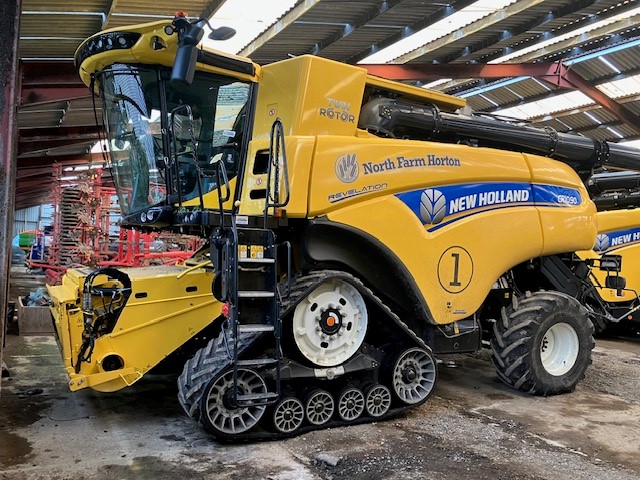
x: 559, y: 349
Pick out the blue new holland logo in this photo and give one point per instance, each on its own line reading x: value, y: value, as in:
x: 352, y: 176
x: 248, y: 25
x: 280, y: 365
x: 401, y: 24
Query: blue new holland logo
x: 433, y: 206
x: 602, y: 243
x: 611, y: 241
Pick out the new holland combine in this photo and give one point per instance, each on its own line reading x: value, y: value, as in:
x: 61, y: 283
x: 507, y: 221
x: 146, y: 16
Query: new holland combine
x: 357, y: 228
x: 613, y: 299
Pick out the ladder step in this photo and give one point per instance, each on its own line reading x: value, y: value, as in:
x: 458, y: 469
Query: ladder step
x: 255, y: 327
x: 257, y: 396
x: 256, y: 260
x: 256, y: 294
x: 257, y: 362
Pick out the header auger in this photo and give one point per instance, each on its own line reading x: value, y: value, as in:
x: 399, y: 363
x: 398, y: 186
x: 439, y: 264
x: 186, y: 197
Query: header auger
x: 357, y: 229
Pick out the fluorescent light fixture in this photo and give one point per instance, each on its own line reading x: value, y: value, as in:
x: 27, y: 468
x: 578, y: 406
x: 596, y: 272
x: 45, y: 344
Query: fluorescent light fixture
x: 609, y: 64
x: 447, y: 25
x: 490, y: 101
x: 488, y: 88
x: 436, y: 83
x: 72, y: 177
x: 615, y: 132
x: 249, y: 18
x: 563, y: 124
x: 591, y: 117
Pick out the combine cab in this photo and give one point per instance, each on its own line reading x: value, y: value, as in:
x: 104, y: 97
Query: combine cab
x: 357, y: 228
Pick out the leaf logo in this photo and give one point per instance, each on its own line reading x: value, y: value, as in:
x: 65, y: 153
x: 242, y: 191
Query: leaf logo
x: 602, y: 243
x: 433, y: 206
x: 347, y: 169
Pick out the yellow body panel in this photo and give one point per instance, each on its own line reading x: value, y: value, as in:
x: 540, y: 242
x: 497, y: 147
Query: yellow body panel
x: 147, y: 331
x: 618, y: 234
x: 479, y: 248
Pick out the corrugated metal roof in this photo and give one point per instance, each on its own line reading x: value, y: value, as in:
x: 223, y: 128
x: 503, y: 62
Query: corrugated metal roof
x: 331, y: 18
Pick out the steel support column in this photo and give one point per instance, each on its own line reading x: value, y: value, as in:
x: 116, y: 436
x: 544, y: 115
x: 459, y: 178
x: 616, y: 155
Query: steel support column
x: 9, y: 79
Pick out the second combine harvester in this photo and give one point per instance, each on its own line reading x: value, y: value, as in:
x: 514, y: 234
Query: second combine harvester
x: 392, y: 230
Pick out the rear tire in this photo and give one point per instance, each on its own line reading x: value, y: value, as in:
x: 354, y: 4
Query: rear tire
x: 542, y: 343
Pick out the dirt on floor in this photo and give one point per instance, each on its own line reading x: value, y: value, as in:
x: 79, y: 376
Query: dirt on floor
x: 473, y: 427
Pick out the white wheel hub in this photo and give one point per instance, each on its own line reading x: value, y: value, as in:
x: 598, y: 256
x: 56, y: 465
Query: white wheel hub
x: 330, y: 324
x: 559, y: 349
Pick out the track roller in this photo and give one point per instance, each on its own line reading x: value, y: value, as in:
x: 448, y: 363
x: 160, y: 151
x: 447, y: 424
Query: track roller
x: 219, y: 416
x: 377, y: 400
x: 320, y: 407
x: 350, y: 404
x: 414, y: 375
x: 288, y: 415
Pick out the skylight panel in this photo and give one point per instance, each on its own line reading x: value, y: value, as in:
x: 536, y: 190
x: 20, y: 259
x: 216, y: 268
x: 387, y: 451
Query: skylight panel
x: 451, y: 23
x: 566, y: 36
x: 547, y: 106
x: 249, y: 18
x: 624, y: 87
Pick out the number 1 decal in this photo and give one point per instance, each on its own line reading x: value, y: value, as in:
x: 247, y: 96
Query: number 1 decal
x: 455, y: 269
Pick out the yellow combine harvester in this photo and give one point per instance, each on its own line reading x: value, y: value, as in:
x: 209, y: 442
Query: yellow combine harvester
x: 356, y: 227
x: 613, y: 299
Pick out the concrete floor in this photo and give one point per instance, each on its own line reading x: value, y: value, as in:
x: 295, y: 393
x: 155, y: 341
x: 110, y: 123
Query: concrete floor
x: 473, y: 427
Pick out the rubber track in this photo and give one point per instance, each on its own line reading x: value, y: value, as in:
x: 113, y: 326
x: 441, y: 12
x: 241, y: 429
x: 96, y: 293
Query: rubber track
x: 203, y: 366
x: 213, y: 358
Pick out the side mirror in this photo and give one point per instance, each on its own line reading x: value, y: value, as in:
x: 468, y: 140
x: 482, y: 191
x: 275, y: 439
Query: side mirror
x: 184, y: 66
x: 222, y: 33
